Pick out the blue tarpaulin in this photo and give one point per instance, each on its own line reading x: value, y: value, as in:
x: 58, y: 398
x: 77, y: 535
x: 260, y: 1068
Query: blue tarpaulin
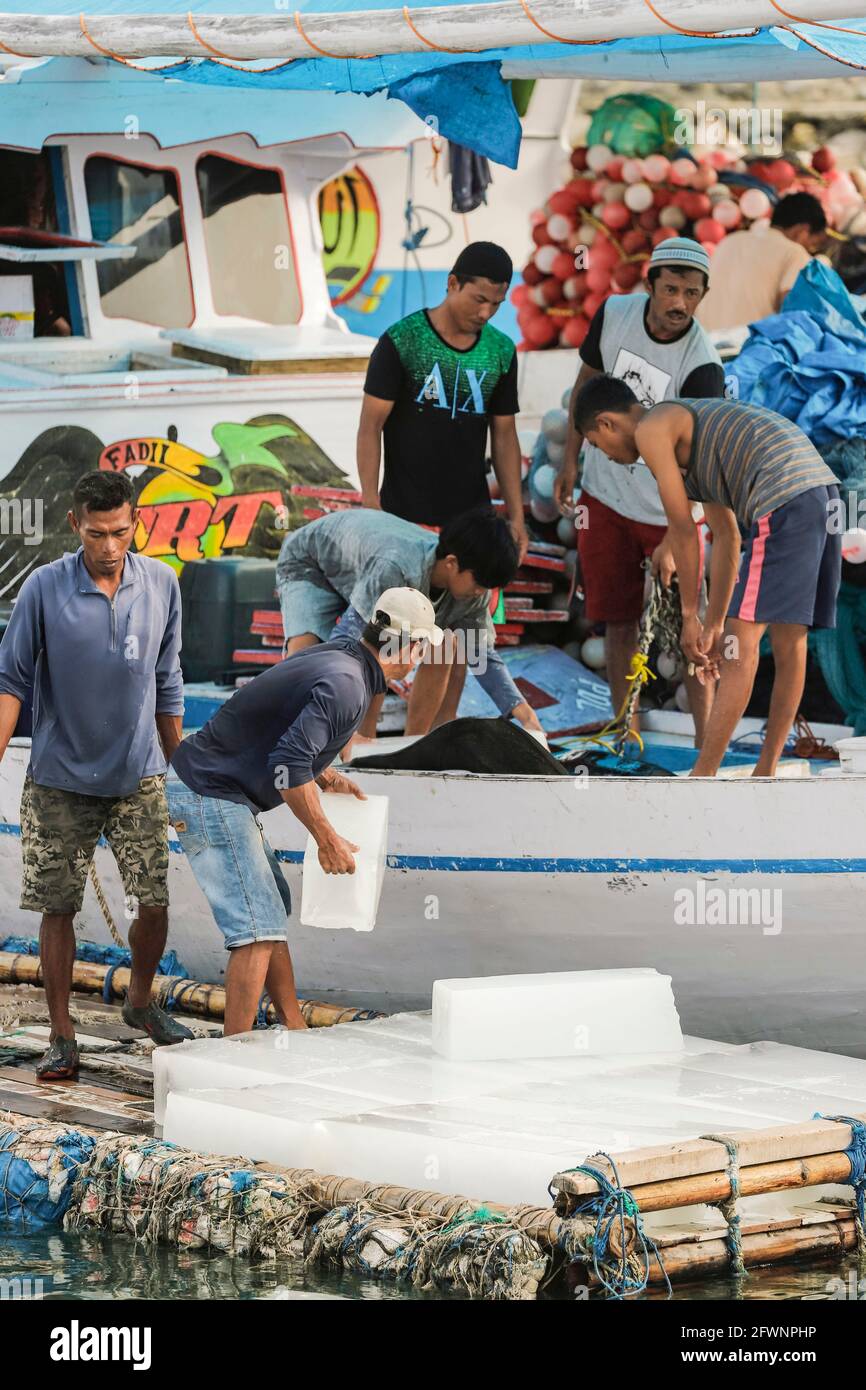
x: 808, y: 362
x: 97, y: 955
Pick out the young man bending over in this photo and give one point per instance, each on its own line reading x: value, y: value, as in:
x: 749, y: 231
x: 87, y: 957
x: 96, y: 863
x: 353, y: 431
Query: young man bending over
x: 755, y: 472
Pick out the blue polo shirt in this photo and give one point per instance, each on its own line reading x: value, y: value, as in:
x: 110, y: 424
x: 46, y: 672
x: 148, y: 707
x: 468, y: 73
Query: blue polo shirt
x: 100, y: 670
x: 283, y: 728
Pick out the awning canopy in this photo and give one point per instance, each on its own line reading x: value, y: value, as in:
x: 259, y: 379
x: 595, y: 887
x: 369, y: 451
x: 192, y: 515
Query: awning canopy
x: 427, y: 58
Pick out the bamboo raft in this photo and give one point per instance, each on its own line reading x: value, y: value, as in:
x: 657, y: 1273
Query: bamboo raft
x: 340, y: 1219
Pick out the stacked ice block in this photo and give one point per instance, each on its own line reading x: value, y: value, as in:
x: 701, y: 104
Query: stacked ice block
x: 375, y: 1101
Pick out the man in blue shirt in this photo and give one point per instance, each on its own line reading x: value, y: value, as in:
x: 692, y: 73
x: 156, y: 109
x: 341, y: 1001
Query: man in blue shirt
x: 274, y: 741
x: 96, y: 637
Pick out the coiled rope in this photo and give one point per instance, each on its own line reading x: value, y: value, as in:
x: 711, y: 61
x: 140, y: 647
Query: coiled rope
x: 856, y: 1155
x: 625, y: 1273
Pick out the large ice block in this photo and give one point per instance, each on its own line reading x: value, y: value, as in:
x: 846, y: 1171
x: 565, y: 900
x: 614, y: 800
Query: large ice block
x: 576, y: 1013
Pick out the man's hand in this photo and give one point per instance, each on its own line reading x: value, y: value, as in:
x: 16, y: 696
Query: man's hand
x: 337, y: 856
x: 563, y: 489
x: 662, y: 560
x: 331, y: 781
x: 526, y: 715
x: 521, y: 539
x: 711, y: 649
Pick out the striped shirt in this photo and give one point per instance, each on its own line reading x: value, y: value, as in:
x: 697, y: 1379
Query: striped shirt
x: 749, y: 458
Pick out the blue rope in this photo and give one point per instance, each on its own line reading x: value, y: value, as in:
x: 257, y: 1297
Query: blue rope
x: 107, y: 982
x: 856, y: 1155
x: 622, y: 1276
x: 262, y: 1012
x: 175, y: 992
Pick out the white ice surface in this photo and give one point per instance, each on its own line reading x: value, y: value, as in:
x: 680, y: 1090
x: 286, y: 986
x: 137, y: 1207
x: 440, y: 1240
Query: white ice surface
x: 595, y: 1012
x: 373, y: 1101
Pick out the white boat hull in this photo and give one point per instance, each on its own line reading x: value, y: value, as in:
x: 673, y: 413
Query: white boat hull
x: 500, y: 875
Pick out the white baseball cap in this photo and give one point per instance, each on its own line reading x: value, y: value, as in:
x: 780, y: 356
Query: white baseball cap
x: 409, y: 609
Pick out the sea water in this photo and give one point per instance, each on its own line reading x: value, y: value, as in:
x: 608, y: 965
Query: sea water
x: 75, y: 1266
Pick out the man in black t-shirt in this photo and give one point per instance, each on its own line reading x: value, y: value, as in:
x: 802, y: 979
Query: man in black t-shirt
x: 437, y: 381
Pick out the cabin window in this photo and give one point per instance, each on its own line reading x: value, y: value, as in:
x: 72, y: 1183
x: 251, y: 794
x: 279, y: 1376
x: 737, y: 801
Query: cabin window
x: 131, y: 204
x: 36, y: 300
x: 248, y: 240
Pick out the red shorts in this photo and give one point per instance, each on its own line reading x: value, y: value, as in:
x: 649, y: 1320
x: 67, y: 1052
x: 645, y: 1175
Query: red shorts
x: 612, y: 549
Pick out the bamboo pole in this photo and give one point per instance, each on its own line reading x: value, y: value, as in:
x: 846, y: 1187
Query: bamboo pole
x: 459, y: 28
x: 692, y: 1258
x: 204, y: 1001
x: 757, y: 1180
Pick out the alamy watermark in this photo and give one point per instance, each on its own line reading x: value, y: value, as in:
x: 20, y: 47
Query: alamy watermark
x: 744, y: 125
x: 713, y: 906
x: 22, y: 516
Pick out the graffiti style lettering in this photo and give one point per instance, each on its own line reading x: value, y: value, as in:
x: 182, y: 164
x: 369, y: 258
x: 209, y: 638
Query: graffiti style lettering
x: 175, y: 528
x: 240, y: 512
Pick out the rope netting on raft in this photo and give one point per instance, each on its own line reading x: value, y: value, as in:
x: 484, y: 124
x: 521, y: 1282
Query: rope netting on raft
x: 479, y: 1254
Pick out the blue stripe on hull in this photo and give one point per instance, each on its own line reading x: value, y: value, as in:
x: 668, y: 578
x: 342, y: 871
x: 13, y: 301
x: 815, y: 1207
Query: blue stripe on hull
x: 474, y: 864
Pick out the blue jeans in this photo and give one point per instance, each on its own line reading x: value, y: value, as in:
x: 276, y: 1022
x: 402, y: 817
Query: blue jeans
x: 233, y: 864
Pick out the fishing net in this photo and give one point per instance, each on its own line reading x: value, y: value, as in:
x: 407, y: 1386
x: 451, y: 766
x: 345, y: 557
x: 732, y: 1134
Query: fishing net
x: 159, y: 1192
x: 472, y: 745
x: 479, y: 1255
x: 38, y: 1165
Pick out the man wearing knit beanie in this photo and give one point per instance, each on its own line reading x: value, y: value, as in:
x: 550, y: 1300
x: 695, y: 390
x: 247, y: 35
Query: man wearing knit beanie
x: 653, y: 342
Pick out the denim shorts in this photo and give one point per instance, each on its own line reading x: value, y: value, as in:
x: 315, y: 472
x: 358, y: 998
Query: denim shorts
x: 321, y: 610
x: 233, y: 864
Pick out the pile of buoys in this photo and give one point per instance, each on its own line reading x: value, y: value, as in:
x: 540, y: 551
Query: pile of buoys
x: 594, y: 235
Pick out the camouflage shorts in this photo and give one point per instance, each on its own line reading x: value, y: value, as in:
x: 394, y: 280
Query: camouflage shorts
x: 60, y: 831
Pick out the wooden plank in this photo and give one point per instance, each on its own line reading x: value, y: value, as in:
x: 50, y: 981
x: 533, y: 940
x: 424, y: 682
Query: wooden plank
x: 69, y: 1113
x: 89, y: 1094
x: 691, y: 1158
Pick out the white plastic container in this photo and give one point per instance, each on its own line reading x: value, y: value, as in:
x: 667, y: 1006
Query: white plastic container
x: 348, y: 900
x: 852, y: 754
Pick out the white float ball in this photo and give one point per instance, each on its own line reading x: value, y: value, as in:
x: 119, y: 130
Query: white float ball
x: 614, y: 193
x: 727, y: 212
x: 542, y: 482
x: 555, y: 453
x: 544, y: 258
x: 592, y: 653
x: 587, y: 235
x: 639, y: 197
x: 754, y: 203
x: 597, y: 157
x: 571, y: 289
x: 559, y: 226
x: 681, y: 695
x: 598, y: 209
x: 527, y: 439
x: 536, y: 294
x: 554, y: 425
x: 633, y: 170
x: 854, y: 546
x: 656, y: 168
x: 667, y: 665
x: 671, y: 216
x: 566, y: 532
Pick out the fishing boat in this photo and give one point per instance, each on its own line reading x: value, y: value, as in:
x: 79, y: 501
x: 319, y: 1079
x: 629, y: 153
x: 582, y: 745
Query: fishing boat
x: 219, y: 390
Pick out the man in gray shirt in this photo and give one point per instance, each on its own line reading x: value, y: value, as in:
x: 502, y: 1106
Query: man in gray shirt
x: 330, y: 572
x: 96, y: 636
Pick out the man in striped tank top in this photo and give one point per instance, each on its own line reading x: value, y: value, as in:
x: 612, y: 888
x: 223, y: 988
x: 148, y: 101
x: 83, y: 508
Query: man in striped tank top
x: 758, y: 477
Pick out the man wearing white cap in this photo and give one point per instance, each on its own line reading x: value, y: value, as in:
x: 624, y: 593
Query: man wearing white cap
x: 274, y: 741
x: 653, y: 342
